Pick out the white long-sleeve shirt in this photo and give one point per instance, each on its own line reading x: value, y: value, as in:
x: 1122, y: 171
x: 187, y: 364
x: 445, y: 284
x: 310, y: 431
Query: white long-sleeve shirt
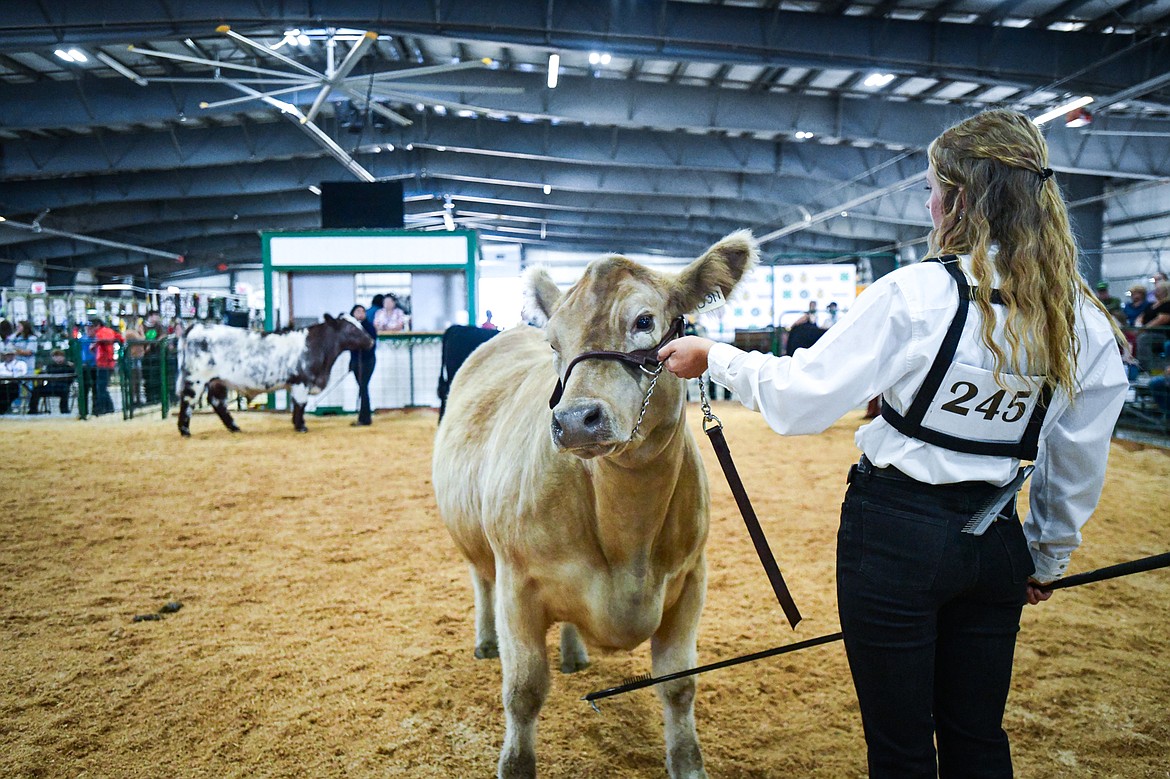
x: 886, y: 343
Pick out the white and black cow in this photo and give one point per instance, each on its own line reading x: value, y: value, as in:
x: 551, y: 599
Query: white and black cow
x: 218, y: 357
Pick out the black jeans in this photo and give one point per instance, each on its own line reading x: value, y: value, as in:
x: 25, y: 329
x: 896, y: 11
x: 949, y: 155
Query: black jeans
x: 930, y: 617
x: 363, y: 371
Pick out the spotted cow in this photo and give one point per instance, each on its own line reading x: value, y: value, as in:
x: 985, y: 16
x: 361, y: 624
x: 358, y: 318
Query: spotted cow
x: 590, y: 514
x: 219, y: 357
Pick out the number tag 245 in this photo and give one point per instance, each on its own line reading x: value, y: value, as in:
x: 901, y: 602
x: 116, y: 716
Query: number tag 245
x: 970, y: 404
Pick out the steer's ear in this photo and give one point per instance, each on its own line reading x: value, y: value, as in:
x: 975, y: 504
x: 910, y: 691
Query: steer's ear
x: 541, y: 297
x: 328, y: 318
x: 721, y: 267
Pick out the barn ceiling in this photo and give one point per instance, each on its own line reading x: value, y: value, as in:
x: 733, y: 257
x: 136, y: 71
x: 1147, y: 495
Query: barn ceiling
x: 180, y: 129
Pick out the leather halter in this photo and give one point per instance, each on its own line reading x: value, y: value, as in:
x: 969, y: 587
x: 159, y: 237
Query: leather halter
x: 646, y: 359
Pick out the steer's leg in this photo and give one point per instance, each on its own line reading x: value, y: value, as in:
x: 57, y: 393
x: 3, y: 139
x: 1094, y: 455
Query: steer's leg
x: 188, y: 396
x: 574, y: 656
x: 486, y: 644
x: 300, y: 396
x: 217, y: 394
x: 673, y: 649
x: 521, y: 625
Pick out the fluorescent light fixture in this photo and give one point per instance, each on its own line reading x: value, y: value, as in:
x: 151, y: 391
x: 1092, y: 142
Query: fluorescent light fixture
x: 878, y: 80
x: 440, y: 110
x: 440, y: 148
x: 316, y: 190
x: 548, y: 189
x: 1062, y: 110
x: 554, y: 70
x: 172, y: 290
x: 448, y: 220
x: 72, y: 55
x: 116, y: 286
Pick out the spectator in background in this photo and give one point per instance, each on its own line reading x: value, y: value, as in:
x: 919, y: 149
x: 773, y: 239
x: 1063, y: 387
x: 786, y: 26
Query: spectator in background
x: 10, y: 368
x: 88, y: 386
x: 1136, y: 305
x: 54, y: 388
x: 390, y: 319
x: 375, y: 306
x: 152, y: 330
x: 362, y: 365
x: 1155, y: 280
x: 104, y: 338
x: 1112, y: 304
x: 1154, y: 323
x: 6, y: 329
x: 24, y: 343
x: 135, y: 335
x: 804, y: 332
x: 488, y: 324
x: 830, y: 316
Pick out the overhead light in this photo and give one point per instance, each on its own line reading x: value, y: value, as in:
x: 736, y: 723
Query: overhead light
x: 316, y: 190
x: 548, y: 189
x: 844, y: 213
x: 448, y: 220
x: 554, y: 70
x: 3, y: 219
x: 389, y: 147
x: 303, y: 40
x: 72, y: 55
x: 605, y: 58
x: 419, y: 107
x: 878, y: 80
x: 440, y: 148
x: 440, y: 110
x: 1063, y: 109
x: 803, y: 135
x: 172, y: 290
x: 117, y: 286
x: 410, y: 147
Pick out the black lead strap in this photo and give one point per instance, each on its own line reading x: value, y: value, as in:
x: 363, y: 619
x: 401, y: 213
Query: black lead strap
x: 767, y: 559
x: 1101, y: 574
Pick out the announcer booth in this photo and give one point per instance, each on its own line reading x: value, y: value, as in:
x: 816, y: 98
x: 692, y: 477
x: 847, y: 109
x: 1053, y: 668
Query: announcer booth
x: 309, y: 274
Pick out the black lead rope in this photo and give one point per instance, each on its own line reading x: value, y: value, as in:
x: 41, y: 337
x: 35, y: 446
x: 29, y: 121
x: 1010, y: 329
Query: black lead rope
x: 637, y: 683
x: 714, y: 430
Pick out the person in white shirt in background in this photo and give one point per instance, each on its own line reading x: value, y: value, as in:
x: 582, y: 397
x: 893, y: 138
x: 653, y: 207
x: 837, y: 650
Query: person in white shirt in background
x: 10, y: 368
x: 930, y: 611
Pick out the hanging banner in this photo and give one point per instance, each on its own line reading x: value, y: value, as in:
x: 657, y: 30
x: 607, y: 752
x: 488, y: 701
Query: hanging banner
x: 59, y: 312
x: 40, y: 311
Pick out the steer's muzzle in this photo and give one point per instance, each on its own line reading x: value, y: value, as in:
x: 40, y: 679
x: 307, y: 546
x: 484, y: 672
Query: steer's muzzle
x: 584, y: 427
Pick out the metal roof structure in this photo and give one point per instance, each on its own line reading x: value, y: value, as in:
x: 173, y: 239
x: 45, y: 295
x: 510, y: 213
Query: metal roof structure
x: 168, y: 133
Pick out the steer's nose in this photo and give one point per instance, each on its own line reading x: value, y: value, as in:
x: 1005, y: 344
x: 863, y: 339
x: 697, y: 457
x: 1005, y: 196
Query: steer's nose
x: 582, y: 424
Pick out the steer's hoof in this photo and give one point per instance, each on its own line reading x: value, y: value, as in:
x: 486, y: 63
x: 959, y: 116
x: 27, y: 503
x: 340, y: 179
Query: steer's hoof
x: 302, y: 429
x: 184, y: 432
x: 488, y: 650
x: 234, y: 428
x: 571, y: 665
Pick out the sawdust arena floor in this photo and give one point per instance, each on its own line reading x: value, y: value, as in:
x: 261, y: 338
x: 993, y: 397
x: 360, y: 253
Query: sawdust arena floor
x: 326, y: 621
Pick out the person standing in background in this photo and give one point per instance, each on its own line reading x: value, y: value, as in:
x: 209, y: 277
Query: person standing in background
x: 104, y: 338
x: 390, y: 319
x: 134, y: 335
x: 362, y: 364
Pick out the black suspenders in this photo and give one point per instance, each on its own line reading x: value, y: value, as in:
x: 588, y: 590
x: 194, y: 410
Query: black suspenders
x: 910, y: 424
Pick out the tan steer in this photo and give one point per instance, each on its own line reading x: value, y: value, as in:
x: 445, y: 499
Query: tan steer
x: 564, y: 515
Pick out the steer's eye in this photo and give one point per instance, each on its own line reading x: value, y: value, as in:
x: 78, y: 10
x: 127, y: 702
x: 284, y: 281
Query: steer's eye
x: 644, y: 323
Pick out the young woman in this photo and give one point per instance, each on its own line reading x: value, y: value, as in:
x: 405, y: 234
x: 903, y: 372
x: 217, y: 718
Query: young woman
x: 362, y: 364
x: 992, y: 352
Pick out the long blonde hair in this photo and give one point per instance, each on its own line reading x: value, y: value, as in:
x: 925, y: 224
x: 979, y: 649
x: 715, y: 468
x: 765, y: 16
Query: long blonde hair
x: 997, y: 190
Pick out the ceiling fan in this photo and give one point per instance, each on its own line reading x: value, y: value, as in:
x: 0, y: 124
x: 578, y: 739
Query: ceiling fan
x: 336, y: 78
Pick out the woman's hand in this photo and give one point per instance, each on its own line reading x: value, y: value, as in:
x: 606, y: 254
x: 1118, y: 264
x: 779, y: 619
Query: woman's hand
x: 1036, y: 593
x: 686, y: 357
